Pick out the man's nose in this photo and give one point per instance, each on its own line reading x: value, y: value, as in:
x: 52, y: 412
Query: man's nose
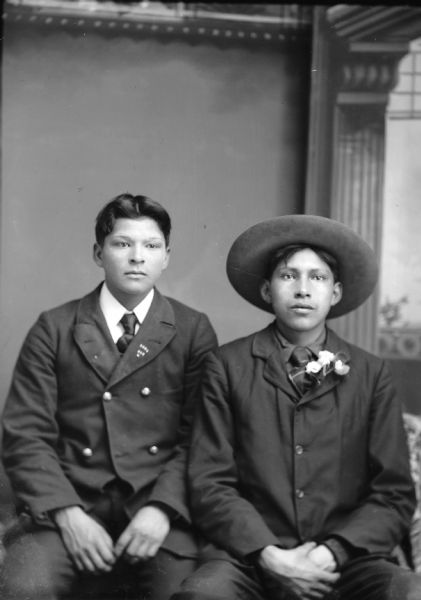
x: 137, y: 254
x: 303, y: 288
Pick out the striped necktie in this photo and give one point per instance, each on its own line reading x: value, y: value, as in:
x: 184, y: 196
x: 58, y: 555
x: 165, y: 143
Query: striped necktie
x: 128, y: 321
x: 300, y: 356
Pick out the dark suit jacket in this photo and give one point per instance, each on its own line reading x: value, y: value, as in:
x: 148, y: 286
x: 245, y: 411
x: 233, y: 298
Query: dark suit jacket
x: 78, y: 416
x: 269, y: 468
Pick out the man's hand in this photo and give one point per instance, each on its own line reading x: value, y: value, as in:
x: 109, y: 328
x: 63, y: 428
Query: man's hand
x: 323, y: 558
x: 87, y: 542
x: 144, y: 535
x: 296, y: 571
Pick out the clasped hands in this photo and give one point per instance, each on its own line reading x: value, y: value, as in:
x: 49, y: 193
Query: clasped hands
x: 308, y: 571
x: 92, y: 548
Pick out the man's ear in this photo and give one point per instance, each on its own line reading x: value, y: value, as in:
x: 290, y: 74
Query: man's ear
x: 337, y: 293
x: 265, y: 291
x: 167, y: 258
x: 97, y: 254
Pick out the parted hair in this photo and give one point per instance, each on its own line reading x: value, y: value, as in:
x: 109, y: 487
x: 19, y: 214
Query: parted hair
x: 128, y: 206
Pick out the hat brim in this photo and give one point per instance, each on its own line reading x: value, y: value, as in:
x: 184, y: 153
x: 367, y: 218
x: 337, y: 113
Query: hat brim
x: 249, y: 257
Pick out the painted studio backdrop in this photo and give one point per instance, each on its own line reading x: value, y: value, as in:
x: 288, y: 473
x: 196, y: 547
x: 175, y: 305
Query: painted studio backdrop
x: 214, y: 131
x: 227, y: 119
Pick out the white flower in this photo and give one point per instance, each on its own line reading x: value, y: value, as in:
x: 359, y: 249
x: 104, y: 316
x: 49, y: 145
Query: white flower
x: 313, y: 367
x: 325, y: 357
x: 341, y: 368
x: 326, y: 363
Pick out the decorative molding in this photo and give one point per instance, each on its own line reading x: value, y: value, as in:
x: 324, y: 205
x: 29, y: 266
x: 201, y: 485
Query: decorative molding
x: 355, y: 56
x: 378, y: 27
x: 367, y: 78
x: 370, y: 42
x: 166, y: 22
x: 367, y: 73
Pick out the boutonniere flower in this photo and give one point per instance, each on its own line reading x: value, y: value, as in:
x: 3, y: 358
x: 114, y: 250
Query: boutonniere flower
x: 327, y: 362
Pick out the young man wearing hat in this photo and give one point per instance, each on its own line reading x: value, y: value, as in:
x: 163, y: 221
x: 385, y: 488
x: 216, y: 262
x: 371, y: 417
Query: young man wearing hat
x: 299, y: 473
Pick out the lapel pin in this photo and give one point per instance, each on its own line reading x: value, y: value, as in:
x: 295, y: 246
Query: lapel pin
x: 142, y: 350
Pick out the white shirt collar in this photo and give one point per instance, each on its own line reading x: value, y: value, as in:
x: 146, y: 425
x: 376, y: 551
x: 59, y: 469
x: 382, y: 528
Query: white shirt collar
x: 113, y: 310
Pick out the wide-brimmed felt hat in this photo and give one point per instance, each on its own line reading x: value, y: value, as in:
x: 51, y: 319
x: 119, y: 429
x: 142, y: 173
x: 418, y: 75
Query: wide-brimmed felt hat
x: 249, y: 256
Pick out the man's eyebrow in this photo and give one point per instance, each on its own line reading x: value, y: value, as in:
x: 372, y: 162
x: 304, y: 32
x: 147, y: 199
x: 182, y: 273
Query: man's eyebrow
x: 154, y: 239
x: 312, y: 269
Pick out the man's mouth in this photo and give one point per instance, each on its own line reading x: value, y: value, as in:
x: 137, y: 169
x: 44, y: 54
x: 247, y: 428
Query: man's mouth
x: 302, y: 307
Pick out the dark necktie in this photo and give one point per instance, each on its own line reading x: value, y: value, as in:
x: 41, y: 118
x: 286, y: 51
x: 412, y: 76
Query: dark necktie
x: 300, y: 356
x: 128, y: 321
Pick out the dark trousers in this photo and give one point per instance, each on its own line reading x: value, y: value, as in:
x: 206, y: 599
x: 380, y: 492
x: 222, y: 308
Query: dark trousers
x: 37, y: 565
x: 362, y: 579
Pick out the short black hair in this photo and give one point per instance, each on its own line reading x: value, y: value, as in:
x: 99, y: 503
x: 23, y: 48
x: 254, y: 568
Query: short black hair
x: 283, y: 254
x: 128, y: 206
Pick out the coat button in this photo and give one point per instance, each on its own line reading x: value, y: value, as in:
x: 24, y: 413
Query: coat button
x: 153, y: 450
x: 87, y: 452
x: 145, y: 391
x: 107, y: 396
x: 299, y: 494
x: 299, y: 449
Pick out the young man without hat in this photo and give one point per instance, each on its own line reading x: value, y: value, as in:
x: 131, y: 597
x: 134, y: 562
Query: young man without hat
x: 96, y: 427
x: 299, y: 473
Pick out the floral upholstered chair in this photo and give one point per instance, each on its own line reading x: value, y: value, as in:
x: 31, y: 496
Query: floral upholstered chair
x: 413, y: 430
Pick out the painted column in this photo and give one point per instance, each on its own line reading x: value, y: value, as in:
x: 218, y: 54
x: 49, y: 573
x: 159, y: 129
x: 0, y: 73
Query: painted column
x: 357, y: 200
x: 352, y: 75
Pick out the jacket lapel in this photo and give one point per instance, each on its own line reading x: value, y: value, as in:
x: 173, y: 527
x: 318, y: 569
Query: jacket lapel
x: 333, y: 344
x: 92, y: 336
x: 155, y: 333
x: 266, y: 346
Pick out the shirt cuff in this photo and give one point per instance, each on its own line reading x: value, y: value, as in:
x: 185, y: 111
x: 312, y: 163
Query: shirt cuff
x: 171, y: 513
x: 341, y: 550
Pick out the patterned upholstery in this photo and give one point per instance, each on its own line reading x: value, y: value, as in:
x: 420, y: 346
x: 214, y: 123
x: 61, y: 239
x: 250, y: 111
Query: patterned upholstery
x: 413, y: 430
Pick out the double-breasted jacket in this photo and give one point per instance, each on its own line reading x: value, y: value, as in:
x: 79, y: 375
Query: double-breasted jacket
x: 77, y: 415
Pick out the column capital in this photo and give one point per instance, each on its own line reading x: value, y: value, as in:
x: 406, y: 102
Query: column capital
x: 366, y: 78
x: 355, y: 59
x: 369, y: 43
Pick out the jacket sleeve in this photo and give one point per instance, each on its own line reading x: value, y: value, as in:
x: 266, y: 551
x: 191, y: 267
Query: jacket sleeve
x: 30, y: 428
x: 384, y: 514
x: 223, y: 515
x: 170, y: 488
